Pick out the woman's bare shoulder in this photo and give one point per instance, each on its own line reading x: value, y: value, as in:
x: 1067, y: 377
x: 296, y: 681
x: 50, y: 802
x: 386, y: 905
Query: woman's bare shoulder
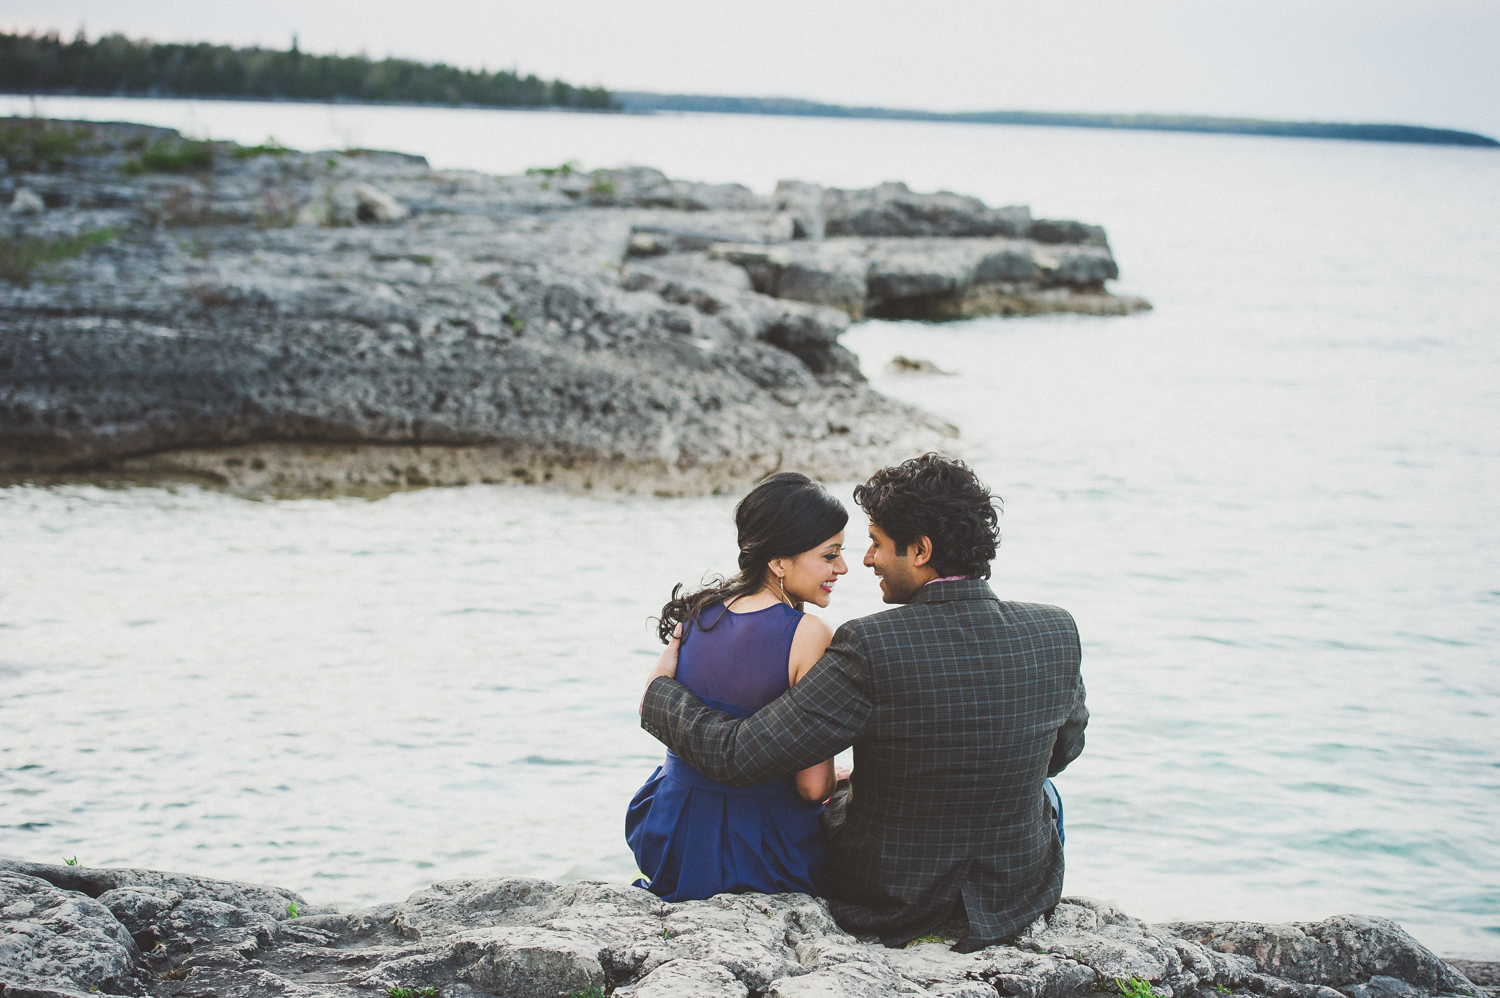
x: 811, y: 628
x: 808, y: 644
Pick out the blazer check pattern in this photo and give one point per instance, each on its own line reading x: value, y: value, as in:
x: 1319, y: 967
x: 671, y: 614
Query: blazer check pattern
x: 958, y: 706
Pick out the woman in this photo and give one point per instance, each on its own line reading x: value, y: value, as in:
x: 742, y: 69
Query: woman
x: 745, y: 642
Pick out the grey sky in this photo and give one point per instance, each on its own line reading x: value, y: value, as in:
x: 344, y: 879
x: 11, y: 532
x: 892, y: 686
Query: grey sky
x: 1431, y: 63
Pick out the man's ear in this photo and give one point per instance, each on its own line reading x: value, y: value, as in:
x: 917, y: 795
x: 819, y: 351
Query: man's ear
x: 921, y: 551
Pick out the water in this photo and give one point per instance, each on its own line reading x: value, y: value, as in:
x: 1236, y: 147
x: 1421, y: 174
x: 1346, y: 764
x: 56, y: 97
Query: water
x: 1269, y: 503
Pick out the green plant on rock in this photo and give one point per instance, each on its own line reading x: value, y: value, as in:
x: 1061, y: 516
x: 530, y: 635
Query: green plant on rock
x: 268, y: 148
x: 28, y: 144
x: 1221, y: 989
x: 563, y: 170
x: 1135, y: 987
x: 71, y: 862
x: 931, y: 937
x: 292, y: 911
x: 19, y: 256
x: 602, y: 186
x: 590, y: 992
x: 428, y: 992
x: 167, y: 156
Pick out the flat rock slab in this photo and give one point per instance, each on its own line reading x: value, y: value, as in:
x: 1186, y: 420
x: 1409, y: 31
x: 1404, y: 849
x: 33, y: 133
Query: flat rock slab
x: 356, y: 322
x: 66, y: 930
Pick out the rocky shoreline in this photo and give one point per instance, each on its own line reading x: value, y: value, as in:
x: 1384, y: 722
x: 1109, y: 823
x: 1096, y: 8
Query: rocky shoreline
x: 285, y: 322
x: 68, y: 931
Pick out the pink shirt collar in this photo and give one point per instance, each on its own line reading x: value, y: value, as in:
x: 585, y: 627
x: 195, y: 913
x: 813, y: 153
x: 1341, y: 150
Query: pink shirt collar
x: 947, y: 578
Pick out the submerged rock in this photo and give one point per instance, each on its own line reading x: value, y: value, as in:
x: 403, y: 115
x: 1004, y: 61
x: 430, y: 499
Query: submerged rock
x: 335, y: 322
x: 908, y: 365
x: 167, y: 934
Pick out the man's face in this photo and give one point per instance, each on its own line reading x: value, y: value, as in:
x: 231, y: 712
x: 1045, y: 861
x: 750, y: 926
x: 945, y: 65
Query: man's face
x: 899, y: 578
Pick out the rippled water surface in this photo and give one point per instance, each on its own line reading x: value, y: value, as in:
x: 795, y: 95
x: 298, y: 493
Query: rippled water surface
x: 1270, y: 503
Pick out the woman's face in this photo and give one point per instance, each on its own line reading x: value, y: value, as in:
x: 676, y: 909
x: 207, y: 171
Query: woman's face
x: 809, y: 577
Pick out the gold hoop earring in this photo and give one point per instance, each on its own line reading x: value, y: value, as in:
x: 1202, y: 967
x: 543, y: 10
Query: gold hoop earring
x: 781, y: 586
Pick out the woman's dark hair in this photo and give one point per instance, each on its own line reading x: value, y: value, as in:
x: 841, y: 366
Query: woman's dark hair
x: 781, y: 517
x: 941, y: 499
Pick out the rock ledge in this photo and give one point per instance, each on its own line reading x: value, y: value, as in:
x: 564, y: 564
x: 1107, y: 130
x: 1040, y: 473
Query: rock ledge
x: 354, y: 321
x: 68, y: 931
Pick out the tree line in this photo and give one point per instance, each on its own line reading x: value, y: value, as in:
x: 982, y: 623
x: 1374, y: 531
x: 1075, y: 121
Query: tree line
x: 118, y: 66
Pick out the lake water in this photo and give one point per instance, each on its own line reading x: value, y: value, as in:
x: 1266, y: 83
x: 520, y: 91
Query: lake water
x: 1270, y: 503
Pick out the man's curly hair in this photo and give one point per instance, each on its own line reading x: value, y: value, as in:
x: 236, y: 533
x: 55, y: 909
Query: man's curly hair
x: 941, y: 499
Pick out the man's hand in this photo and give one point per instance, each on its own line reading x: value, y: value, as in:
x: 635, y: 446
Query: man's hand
x: 666, y: 665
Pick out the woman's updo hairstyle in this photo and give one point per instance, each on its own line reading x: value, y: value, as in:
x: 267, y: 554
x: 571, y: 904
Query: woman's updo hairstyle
x: 783, y: 516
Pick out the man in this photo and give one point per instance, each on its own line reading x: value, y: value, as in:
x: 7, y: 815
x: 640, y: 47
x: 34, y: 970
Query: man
x: 958, y: 705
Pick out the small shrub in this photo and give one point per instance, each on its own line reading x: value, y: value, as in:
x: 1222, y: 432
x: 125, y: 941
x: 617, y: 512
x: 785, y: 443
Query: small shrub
x: 292, y: 911
x: 563, y: 170
x: 166, y: 156
x: 931, y: 937
x: 20, y: 256
x: 602, y: 186
x: 71, y: 862
x: 29, y: 144
x: 412, y: 992
x: 268, y: 148
x: 591, y: 992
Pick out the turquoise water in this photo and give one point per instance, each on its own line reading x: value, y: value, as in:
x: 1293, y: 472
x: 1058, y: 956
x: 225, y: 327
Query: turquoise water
x: 1270, y: 503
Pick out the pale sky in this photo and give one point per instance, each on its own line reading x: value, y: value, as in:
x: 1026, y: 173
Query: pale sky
x: 1435, y: 62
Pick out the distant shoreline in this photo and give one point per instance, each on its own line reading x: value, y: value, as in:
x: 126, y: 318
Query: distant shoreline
x: 645, y: 104
x: 35, y: 65
x: 1417, y: 134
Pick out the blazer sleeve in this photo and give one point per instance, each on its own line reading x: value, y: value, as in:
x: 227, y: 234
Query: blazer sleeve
x: 1069, y: 742
x: 822, y: 715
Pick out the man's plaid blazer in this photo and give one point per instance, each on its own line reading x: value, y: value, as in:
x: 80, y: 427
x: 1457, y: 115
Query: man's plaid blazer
x: 958, y: 706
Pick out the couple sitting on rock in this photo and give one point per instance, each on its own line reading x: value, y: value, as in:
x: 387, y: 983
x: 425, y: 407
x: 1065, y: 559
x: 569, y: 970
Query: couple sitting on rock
x: 959, y: 707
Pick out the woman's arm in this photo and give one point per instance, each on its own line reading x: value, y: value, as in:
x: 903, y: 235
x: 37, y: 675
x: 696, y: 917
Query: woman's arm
x: 815, y: 783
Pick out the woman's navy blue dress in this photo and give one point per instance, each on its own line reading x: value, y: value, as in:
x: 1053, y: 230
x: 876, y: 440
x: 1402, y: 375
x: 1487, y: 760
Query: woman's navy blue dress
x: 694, y: 837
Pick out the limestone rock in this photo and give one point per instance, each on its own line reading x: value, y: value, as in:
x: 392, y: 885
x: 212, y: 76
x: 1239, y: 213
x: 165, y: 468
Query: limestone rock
x: 933, y: 278
x: 533, y: 939
x: 804, y: 203
x: 892, y: 209
x: 61, y: 940
x: 614, y: 329
x: 1105, y: 938
x: 27, y: 202
x: 645, y: 187
x: 658, y: 231
x: 351, y: 204
x: 686, y: 979
x: 1338, y: 951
